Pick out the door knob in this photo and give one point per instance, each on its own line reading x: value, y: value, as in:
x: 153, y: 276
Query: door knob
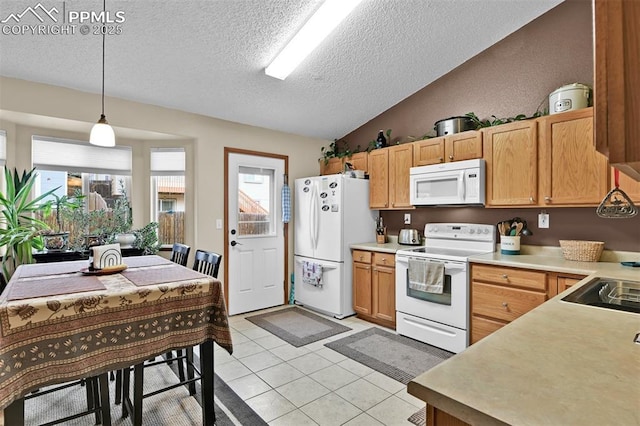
x: 235, y: 243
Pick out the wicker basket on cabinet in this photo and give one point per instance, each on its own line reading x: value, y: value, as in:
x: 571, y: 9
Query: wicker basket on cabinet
x: 583, y: 251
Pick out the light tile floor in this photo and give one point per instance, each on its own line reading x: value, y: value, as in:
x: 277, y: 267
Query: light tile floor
x: 312, y: 384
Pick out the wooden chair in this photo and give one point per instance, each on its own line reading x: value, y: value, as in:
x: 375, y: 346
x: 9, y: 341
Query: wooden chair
x: 180, y: 254
x: 205, y: 262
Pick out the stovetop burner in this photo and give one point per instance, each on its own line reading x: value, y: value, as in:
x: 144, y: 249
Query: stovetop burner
x: 454, y: 241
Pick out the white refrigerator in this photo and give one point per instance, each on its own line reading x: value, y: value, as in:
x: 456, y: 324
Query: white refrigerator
x: 331, y: 213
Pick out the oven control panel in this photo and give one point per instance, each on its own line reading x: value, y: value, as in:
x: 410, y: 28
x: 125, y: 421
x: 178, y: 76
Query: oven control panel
x: 463, y: 231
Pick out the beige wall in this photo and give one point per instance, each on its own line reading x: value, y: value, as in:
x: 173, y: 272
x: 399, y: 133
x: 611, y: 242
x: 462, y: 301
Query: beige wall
x: 59, y: 112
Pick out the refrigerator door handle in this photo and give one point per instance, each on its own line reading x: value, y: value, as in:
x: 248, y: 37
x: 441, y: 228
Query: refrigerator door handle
x: 324, y: 267
x: 314, y: 216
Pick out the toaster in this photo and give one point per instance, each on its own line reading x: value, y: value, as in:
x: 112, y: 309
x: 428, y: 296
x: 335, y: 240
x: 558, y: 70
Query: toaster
x: 409, y: 237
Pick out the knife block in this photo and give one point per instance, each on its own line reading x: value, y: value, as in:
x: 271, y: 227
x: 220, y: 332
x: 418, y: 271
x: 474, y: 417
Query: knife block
x: 381, y: 239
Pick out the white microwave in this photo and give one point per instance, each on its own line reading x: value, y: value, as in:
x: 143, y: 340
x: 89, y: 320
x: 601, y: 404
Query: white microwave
x: 455, y: 183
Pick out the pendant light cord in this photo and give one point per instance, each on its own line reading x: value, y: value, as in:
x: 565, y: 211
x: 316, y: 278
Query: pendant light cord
x: 104, y: 30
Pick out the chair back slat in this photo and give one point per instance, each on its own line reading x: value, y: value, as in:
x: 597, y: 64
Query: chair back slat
x: 180, y: 254
x: 207, y: 262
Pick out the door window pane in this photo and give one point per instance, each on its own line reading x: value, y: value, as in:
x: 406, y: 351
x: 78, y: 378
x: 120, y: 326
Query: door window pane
x: 256, y: 201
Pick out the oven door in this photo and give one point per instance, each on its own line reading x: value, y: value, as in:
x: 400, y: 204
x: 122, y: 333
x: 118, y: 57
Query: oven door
x: 449, y: 308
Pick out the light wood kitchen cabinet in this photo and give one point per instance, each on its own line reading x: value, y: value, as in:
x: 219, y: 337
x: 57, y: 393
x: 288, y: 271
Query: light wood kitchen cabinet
x: 571, y: 171
x: 437, y: 417
x: 359, y: 161
x: 331, y: 167
x: 510, y: 152
x: 374, y: 297
x: 362, y: 282
x: 456, y: 147
x: 617, y: 83
x: 379, y: 179
x: 463, y: 146
x: 389, y: 177
x: 501, y: 294
x: 334, y: 165
x: 400, y: 162
x: 384, y: 287
x: 559, y: 282
x: 428, y: 151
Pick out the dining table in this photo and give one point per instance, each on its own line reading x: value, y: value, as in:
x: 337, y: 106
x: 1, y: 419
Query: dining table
x: 61, y: 322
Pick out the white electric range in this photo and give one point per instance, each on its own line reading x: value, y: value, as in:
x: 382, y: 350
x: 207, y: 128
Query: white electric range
x: 441, y: 319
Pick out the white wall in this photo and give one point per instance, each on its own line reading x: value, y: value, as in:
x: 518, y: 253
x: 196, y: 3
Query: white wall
x: 28, y: 107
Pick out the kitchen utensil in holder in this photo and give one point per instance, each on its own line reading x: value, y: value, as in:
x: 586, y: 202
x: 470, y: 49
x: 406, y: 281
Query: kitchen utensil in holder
x: 381, y: 238
x: 616, y: 204
x: 509, y: 244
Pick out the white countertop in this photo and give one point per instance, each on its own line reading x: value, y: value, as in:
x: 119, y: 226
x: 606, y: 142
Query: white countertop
x: 560, y: 364
x: 391, y: 246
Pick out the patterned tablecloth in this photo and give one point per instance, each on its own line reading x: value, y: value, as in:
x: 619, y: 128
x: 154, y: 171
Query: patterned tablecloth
x: 57, y: 324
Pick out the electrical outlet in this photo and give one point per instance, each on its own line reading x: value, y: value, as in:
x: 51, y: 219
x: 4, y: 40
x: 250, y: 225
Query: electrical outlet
x: 407, y: 218
x: 543, y: 220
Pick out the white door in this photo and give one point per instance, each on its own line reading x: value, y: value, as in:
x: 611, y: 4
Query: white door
x: 256, y: 237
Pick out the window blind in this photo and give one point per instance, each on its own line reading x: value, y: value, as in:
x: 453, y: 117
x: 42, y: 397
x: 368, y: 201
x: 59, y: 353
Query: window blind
x: 3, y: 147
x: 167, y: 161
x: 79, y: 156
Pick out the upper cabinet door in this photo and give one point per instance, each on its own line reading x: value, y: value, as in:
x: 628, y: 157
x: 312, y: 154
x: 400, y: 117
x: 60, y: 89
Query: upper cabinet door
x: 617, y: 83
x: 428, y: 151
x: 359, y: 161
x: 400, y: 162
x: 512, y: 166
x: 331, y: 167
x: 572, y: 172
x: 379, y: 179
x: 464, y: 146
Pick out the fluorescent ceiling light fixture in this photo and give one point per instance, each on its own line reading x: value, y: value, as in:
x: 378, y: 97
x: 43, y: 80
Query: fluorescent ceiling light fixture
x: 317, y: 28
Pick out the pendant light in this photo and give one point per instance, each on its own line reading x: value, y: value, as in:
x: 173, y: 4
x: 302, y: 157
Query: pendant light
x: 101, y: 133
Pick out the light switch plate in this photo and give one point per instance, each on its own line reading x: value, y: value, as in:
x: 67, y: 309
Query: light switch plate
x: 543, y: 220
x: 218, y: 223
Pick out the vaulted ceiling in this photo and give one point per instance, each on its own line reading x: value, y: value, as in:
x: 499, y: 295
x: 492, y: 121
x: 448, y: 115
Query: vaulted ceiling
x: 208, y: 56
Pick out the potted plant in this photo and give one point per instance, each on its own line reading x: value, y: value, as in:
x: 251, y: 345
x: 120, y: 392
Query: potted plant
x: 122, y: 220
x: 59, y: 240
x: 20, y: 231
x: 147, y: 238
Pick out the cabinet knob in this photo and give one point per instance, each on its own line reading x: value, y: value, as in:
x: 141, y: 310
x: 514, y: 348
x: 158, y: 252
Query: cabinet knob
x: 505, y: 276
x: 451, y: 157
x: 532, y: 200
x: 547, y: 199
x: 505, y: 304
x: 441, y: 159
x: 361, y: 257
x: 384, y: 260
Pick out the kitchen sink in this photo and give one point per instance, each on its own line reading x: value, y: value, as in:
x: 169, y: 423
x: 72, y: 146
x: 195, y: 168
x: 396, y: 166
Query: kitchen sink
x: 608, y: 293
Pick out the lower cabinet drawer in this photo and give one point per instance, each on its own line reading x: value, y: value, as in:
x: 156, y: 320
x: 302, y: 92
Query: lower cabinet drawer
x: 536, y: 280
x: 503, y: 303
x: 482, y: 327
x: 361, y: 256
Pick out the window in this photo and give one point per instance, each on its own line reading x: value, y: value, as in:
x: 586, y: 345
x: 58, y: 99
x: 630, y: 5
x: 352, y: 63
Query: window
x: 167, y: 205
x: 168, y: 191
x: 102, y: 175
x: 255, y: 201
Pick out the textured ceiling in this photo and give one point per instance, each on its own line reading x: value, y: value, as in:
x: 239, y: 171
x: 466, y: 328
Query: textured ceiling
x: 208, y: 57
